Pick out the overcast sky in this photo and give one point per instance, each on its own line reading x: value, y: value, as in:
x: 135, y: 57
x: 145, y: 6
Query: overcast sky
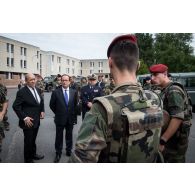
x: 78, y: 45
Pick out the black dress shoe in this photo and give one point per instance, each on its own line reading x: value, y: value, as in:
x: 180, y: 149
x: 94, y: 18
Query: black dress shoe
x: 68, y: 153
x: 57, y: 158
x: 38, y: 157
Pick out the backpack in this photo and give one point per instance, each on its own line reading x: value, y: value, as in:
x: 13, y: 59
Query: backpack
x: 134, y: 126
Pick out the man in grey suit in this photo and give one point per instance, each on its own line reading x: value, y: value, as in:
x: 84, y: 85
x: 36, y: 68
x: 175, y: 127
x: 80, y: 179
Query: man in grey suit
x: 63, y: 103
x: 29, y: 107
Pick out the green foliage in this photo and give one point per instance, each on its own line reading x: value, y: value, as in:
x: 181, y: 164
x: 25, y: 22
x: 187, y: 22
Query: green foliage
x: 172, y: 49
x: 146, y: 48
x: 143, y: 68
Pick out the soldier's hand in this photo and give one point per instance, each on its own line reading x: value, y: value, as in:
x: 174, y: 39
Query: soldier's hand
x: 28, y: 121
x: 89, y: 104
x: 161, y: 148
x: 1, y: 116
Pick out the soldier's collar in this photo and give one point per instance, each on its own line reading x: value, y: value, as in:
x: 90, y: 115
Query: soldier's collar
x: 126, y: 84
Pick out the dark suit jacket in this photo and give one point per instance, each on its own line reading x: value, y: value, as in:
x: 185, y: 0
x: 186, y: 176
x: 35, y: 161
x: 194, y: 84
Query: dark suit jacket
x: 88, y: 94
x: 102, y: 84
x: 26, y: 105
x: 58, y: 106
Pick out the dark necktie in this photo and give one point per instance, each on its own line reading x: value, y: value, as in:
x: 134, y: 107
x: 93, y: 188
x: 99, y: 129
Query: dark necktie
x: 35, y: 95
x: 66, y: 97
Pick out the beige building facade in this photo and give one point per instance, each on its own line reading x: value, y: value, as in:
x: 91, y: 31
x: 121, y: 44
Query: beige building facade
x: 18, y: 58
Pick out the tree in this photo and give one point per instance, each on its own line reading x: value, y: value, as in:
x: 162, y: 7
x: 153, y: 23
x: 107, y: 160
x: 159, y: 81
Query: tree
x: 143, y: 68
x: 146, y: 47
x: 174, y: 50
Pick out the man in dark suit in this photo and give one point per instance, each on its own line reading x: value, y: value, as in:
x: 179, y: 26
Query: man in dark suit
x: 63, y: 103
x: 88, y: 93
x: 100, y: 82
x: 29, y: 107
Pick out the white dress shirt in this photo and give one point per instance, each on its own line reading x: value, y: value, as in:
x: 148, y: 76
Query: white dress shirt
x: 32, y: 91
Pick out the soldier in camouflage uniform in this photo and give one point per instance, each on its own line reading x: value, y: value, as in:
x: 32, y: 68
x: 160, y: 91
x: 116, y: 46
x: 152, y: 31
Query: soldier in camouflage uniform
x: 147, y: 84
x: 3, y: 110
x: 57, y: 81
x: 109, y: 87
x: 174, y: 139
x: 40, y: 84
x: 124, y: 126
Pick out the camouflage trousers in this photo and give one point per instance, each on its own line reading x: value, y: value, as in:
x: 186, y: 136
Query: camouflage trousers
x: 175, y: 156
x: 2, y: 135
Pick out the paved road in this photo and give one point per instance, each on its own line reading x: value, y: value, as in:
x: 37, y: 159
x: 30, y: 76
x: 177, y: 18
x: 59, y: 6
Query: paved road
x: 13, y: 143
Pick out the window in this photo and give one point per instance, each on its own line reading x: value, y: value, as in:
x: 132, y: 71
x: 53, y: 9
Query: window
x: 21, y: 63
x: 73, y: 71
x: 11, y: 75
x: 68, y: 61
x: 91, y: 71
x: 191, y: 82
x: 40, y: 59
x: 7, y: 61
x: 25, y: 51
x: 12, y: 62
x: 21, y: 51
x: 81, y: 64
x: 7, y: 75
x: 52, y: 58
x: 73, y: 62
x: 37, y: 66
x: 100, y: 64
x: 81, y: 72
x: 25, y: 65
x: 59, y: 68
x: 67, y: 70
x: 59, y: 59
x: 37, y: 54
x: 91, y: 64
x: 12, y: 48
x: 7, y: 47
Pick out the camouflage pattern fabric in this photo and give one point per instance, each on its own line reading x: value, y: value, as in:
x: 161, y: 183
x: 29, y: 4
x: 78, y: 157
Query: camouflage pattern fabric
x: 147, y: 86
x: 122, y: 127
x: 3, y: 92
x: 176, y: 104
x: 41, y: 86
x: 108, y: 89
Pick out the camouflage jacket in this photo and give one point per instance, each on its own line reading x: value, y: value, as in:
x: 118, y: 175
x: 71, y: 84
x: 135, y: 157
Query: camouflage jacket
x: 108, y: 89
x: 3, y: 93
x: 175, y: 102
x: 121, y: 127
x: 41, y: 86
x: 147, y: 86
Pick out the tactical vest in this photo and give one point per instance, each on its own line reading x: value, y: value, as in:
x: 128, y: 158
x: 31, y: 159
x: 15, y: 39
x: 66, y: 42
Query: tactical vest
x: 178, y: 143
x: 135, y: 118
x: 187, y: 99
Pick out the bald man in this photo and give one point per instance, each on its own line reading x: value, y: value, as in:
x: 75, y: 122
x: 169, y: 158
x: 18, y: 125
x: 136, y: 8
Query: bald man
x: 29, y: 107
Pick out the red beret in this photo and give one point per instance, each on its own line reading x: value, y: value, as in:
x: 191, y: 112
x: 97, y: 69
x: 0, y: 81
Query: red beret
x: 127, y: 37
x: 158, y: 68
